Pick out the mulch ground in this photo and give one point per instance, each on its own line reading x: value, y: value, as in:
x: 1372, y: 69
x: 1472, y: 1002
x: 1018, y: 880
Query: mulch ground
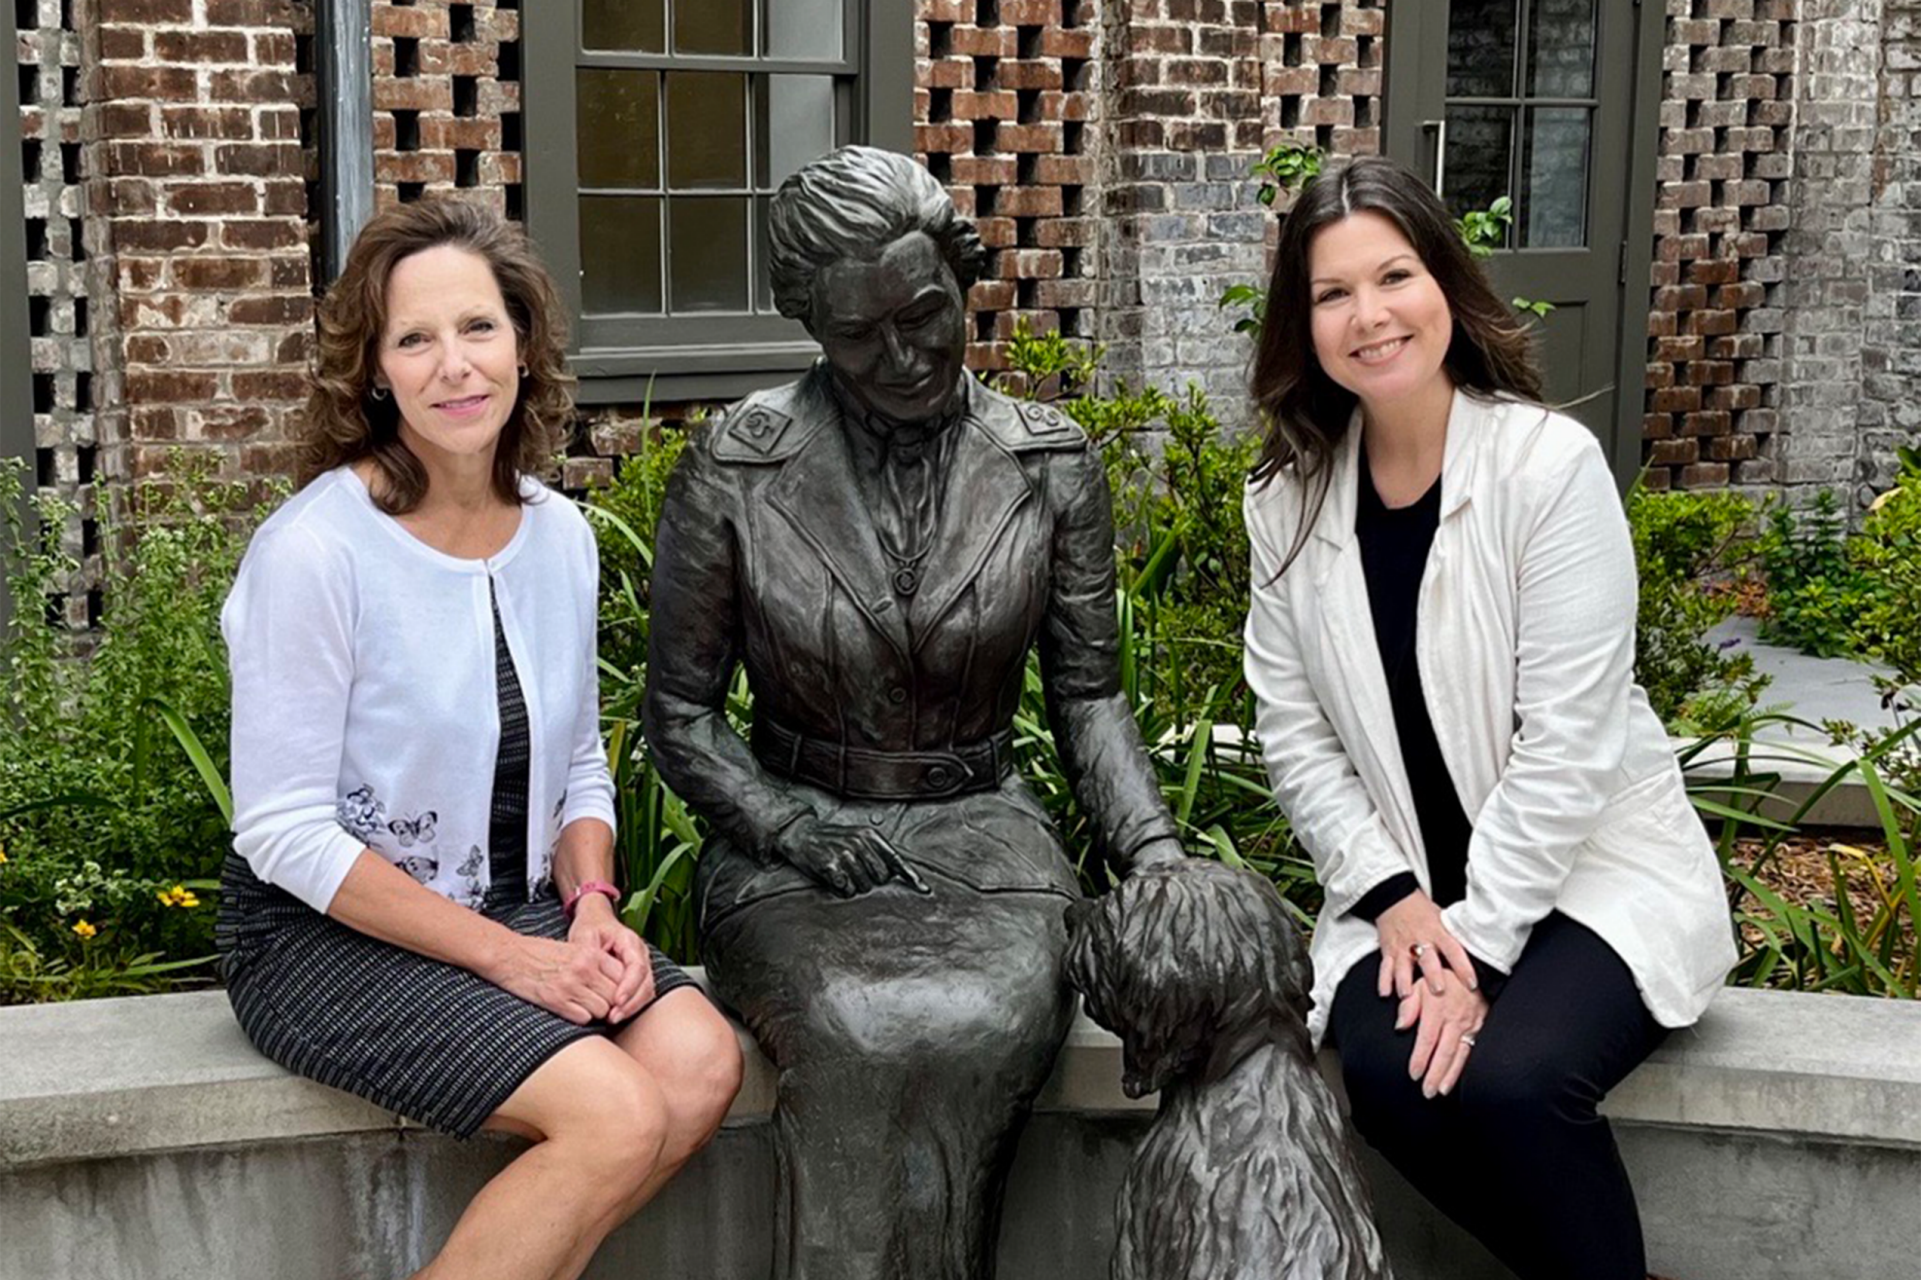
x: 1800, y: 872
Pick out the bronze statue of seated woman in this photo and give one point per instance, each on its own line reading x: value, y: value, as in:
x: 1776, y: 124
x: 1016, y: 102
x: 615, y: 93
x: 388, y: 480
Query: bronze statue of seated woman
x: 882, y: 899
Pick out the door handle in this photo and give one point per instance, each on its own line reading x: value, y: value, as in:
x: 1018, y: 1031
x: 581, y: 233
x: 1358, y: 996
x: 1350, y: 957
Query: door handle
x: 1439, y: 129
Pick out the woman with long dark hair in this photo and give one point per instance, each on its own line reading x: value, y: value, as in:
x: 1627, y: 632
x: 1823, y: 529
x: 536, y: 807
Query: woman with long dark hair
x: 1519, y: 900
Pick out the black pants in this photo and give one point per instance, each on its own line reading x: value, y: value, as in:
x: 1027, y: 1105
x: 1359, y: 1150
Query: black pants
x: 1517, y: 1154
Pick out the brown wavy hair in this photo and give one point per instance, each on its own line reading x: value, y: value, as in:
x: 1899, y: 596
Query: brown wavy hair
x: 345, y: 422
x: 1305, y: 412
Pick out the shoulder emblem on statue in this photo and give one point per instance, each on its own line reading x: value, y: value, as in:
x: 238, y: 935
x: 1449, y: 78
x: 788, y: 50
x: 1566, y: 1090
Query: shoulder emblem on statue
x: 1046, y: 427
x: 753, y: 432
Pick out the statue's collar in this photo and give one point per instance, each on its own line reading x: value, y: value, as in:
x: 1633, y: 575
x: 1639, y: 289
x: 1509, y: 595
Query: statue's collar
x: 888, y: 434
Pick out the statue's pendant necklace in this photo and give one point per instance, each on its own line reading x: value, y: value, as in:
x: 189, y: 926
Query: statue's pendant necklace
x: 910, y: 479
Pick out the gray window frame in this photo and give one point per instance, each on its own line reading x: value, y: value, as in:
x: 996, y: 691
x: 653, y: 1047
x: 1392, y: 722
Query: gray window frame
x: 17, y: 439
x: 720, y: 357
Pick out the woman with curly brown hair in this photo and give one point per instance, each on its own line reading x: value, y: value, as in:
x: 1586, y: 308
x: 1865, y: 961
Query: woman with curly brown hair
x: 1519, y: 900
x: 418, y: 906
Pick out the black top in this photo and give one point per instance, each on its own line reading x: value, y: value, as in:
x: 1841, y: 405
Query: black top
x: 507, y: 826
x: 1394, y: 547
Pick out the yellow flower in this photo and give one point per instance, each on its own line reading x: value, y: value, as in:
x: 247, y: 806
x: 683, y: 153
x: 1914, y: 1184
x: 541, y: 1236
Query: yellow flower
x: 3, y: 855
x: 178, y: 896
x: 83, y: 930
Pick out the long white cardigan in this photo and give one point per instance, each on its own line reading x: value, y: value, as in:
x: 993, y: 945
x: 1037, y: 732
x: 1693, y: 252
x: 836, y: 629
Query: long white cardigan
x: 1526, y: 652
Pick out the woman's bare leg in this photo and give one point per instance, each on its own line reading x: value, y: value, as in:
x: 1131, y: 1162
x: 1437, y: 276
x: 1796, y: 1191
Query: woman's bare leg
x: 600, y: 1125
x: 692, y: 1054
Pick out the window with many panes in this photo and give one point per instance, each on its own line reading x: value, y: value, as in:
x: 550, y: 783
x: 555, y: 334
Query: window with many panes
x: 657, y: 134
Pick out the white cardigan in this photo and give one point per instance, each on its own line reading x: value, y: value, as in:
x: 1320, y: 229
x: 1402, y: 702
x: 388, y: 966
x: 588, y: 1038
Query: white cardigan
x: 364, y: 707
x: 1525, y: 643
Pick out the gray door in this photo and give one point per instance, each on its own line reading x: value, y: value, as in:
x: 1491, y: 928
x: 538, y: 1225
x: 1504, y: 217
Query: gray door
x: 1535, y: 100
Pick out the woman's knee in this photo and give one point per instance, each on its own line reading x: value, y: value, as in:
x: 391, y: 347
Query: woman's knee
x: 693, y: 1055
x: 1520, y: 1094
x: 1383, y: 1100
x: 595, y: 1102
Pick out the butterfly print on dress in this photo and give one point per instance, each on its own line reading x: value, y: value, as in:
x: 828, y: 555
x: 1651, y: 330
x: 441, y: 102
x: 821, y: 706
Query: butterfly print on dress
x: 410, y: 830
x: 420, y: 866
x: 361, y: 814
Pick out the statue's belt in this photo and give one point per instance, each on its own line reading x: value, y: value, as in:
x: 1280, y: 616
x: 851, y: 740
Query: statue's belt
x: 860, y: 774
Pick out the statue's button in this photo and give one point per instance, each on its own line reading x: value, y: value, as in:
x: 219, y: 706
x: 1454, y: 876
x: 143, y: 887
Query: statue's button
x: 877, y: 817
x: 939, y: 776
x: 897, y: 695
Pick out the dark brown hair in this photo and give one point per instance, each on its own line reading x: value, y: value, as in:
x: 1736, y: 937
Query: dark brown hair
x: 1306, y: 413
x: 345, y: 422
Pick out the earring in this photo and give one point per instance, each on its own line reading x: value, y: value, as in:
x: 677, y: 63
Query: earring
x: 378, y: 392
x: 523, y: 370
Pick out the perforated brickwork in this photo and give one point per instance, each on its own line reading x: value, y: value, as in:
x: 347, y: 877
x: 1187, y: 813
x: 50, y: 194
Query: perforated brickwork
x: 1323, y: 66
x: 447, y: 100
x: 1006, y: 100
x: 67, y: 458
x: 1716, y: 327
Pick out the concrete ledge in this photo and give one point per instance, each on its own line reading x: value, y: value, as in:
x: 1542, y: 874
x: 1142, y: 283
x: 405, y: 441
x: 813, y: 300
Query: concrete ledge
x: 145, y: 1138
x: 149, y: 1074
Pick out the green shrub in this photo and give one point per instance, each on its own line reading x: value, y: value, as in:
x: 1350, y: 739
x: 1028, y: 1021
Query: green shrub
x: 112, y: 802
x: 1815, y: 589
x: 1887, y: 554
x: 1684, y: 543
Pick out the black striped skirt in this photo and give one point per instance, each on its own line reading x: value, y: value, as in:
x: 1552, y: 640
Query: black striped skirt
x: 430, y: 1041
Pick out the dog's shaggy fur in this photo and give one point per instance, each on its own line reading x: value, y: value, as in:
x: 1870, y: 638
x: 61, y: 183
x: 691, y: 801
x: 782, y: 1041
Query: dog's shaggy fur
x: 1246, y: 1173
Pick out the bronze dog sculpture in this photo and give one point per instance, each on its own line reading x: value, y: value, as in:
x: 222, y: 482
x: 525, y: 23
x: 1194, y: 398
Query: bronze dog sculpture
x: 1246, y: 1173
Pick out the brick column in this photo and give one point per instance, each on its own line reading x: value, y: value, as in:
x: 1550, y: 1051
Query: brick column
x: 198, y: 202
x: 1891, y: 349
x: 1005, y: 110
x: 447, y: 101
x: 1184, y: 114
x: 1823, y: 295
x: 1715, y: 331
x: 60, y: 320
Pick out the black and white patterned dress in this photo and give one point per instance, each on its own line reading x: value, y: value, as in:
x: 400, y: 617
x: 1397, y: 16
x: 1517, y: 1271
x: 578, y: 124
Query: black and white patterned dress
x: 431, y: 1041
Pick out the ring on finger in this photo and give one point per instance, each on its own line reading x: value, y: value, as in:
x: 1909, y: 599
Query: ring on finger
x: 1419, y: 949
x: 1467, y: 1039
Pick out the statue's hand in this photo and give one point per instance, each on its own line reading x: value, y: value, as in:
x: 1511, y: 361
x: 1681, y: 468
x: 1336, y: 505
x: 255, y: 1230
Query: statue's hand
x: 847, y: 858
x: 1161, y: 852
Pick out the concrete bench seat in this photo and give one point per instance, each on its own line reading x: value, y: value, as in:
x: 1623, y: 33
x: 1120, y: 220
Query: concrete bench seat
x: 137, y: 1133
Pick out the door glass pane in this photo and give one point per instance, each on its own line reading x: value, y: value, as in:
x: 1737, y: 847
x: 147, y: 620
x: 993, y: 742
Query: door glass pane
x: 619, y: 254
x: 1480, y: 48
x: 706, y: 129
x: 635, y: 25
x: 794, y: 123
x: 1560, y: 49
x: 804, y: 28
x: 619, y: 127
x: 708, y: 270
x: 714, y: 26
x: 1479, y: 141
x: 1553, y: 201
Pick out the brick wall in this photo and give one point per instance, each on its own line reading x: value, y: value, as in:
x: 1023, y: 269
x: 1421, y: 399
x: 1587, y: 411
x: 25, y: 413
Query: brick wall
x: 1006, y: 100
x: 1715, y: 330
x: 1891, y: 348
x: 59, y: 318
x: 1826, y: 289
x: 1322, y: 74
x: 198, y: 207
x: 447, y: 100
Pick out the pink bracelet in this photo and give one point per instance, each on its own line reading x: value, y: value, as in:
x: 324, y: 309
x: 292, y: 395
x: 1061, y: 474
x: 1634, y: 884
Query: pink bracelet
x: 584, y: 888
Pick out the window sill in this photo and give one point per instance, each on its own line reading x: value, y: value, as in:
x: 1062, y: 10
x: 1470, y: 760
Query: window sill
x: 667, y: 375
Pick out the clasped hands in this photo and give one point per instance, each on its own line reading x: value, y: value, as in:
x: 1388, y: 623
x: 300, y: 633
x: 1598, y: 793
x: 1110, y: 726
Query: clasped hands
x: 602, y: 972
x: 1433, y: 975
